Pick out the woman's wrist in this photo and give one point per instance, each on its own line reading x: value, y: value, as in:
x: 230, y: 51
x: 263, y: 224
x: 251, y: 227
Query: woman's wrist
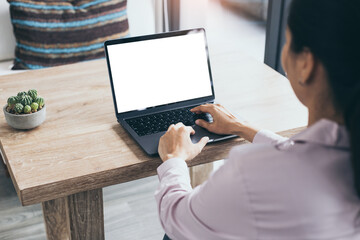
x: 245, y: 131
x: 171, y: 156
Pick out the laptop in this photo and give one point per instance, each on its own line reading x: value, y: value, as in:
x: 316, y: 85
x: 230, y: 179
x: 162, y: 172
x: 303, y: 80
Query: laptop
x: 155, y: 81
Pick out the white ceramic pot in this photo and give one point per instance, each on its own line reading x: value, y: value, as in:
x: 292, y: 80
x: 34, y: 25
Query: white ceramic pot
x: 25, y: 121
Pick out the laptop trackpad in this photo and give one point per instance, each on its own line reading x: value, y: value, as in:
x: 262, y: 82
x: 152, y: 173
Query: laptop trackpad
x: 202, y: 132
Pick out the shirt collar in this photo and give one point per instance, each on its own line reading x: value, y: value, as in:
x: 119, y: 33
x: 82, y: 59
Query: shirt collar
x: 325, y: 132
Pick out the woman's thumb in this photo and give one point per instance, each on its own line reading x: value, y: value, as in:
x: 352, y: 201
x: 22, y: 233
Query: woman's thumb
x: 203, y: 141
x: 202, y: 123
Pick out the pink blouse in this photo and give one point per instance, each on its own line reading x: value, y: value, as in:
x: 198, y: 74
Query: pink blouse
x: 276, y: 188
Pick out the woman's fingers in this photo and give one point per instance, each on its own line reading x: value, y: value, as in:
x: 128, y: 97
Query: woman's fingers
x: 223, y: 121
x: 176, y: 142
x: 192, y: 131
x: 203, y: 123
x: 181, y: 126
x: 206, y: 108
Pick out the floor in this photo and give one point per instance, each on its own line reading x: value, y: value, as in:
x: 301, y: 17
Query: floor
x: 130, y: 209
x: 129, y: 212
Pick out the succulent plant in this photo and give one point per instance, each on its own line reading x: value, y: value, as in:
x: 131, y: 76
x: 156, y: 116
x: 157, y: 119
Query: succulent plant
x: 21, y: 94
x: 26, y: 100
x: 32, y: 93
x: 27, y: 109
x: 40, y: 101
x: 12, y: 101
x: 18, y: 108
x: 34, y: 107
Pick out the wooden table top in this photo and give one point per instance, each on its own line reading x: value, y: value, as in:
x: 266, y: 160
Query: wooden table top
x: 80, y: 146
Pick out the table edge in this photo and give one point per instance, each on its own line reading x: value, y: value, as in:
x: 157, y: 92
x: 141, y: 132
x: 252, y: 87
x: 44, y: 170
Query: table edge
x: 116, y: 176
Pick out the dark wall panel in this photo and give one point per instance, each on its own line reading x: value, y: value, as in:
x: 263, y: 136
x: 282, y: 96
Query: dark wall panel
x: 275, y: 33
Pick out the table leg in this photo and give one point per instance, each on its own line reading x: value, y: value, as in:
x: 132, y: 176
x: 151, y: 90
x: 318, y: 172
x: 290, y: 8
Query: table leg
x: 78, y: 216
x: 56, y: 219
x: 200, y: 173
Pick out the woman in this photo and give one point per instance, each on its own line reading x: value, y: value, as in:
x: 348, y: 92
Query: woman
x: 305, y: 187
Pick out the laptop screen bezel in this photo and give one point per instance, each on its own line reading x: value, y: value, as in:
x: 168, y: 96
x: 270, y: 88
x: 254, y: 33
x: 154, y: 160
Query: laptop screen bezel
x: 163, y: 107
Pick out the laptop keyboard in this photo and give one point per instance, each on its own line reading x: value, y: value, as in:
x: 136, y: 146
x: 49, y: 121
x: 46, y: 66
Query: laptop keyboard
x: 159, y: 122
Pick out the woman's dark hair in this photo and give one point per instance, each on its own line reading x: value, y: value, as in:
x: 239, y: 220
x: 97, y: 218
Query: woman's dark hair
x: 330, y: 29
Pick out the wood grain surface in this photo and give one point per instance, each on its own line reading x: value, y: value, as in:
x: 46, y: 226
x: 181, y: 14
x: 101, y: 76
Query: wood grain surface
x: 81, y: 147
x: 200, y: 173
x: 78, y: 216
x: 56, y: 219
x: 86, y: 215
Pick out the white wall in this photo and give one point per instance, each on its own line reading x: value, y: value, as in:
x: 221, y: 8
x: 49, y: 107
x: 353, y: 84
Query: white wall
x: 193, y: 13
x: 141, y: 17
x: 7, y: 40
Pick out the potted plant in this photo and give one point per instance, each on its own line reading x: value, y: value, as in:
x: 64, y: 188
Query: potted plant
x: 26, y: 110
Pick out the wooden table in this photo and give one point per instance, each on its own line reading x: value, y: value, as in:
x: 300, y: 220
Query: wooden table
x: 80, y: 148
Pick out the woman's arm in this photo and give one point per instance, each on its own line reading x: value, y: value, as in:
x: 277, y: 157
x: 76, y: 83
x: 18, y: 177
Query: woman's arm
x: 199, y: 214
x: 217, y: 209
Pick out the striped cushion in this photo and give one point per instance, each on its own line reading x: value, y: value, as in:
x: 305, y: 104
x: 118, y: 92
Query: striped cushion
x: 55, y: 32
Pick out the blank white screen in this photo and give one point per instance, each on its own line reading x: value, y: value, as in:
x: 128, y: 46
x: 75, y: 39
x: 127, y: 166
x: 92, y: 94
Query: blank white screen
x: 160, y: 71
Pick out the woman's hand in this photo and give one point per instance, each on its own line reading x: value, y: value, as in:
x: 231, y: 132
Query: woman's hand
x: 176, y: 142
x: 224, y: 122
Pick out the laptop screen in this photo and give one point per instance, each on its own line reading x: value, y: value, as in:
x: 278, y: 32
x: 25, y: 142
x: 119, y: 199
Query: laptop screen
x: 154, y: 72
